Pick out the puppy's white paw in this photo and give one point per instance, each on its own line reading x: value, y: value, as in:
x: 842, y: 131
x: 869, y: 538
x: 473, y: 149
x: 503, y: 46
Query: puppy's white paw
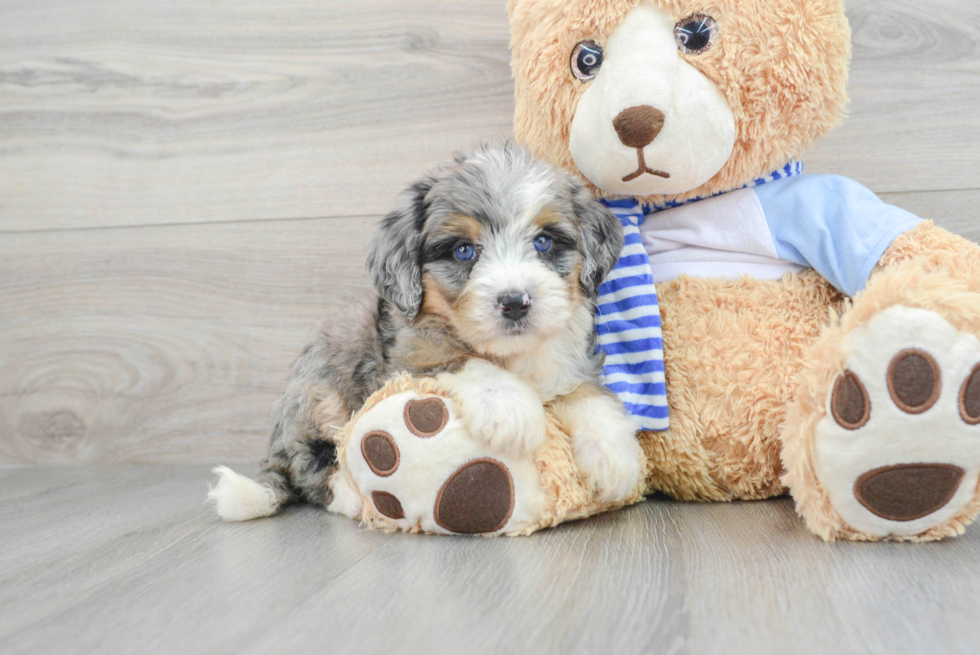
x: 499, y: 408
x: 606, y: 448
x: 506, y: 421
x: 612, y: 467
x: 237, y: 498
x: 346, y: 499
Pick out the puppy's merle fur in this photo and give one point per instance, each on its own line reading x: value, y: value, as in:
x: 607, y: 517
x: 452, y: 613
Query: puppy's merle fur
x: 492, y: 225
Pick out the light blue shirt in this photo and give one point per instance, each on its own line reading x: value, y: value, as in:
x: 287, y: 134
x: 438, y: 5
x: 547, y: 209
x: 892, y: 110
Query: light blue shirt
x: 831, y: 224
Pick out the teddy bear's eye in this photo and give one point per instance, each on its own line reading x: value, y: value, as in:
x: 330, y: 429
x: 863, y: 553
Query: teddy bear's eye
x: 586, y: 60
x: 695, y: 34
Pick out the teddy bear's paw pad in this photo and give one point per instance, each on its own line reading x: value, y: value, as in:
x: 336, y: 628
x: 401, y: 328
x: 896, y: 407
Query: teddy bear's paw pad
x: 380, y: 453
x: 905, y: 492
x: 478, y: 498
x: 899, y: 449
x: 427, y: 417
x: 416, y: 463
x: 387, y: 505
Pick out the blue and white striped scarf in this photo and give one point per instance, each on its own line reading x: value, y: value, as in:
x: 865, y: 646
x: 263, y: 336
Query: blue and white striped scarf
x: 627, y: 317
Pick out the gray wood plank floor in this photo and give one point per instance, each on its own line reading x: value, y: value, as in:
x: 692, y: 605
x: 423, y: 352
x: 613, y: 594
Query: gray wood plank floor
x: 127, y: 559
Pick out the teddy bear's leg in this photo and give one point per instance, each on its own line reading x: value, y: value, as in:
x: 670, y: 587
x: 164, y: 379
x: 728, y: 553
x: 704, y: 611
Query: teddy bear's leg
x: 883, y: 438
x: 410, y: 462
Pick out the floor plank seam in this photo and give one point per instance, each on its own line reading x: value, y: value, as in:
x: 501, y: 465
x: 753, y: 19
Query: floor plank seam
x: 140, y: 226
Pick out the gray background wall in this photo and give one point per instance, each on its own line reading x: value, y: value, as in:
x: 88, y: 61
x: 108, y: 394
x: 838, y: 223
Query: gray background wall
x: 186, y: 187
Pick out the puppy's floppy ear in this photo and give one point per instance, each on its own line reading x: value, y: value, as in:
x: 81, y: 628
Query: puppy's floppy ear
x: 600, y: 238
x: 394, y: 252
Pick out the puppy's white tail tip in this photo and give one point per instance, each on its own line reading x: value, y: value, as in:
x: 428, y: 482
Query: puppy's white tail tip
x: 237, y: 498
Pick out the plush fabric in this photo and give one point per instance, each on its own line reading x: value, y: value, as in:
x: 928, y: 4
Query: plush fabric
x: 781, y: 64
x: 732, y: 348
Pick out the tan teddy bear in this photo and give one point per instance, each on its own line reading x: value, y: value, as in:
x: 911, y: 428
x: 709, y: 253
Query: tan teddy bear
x: 867, y: 417
x: 810, y: 338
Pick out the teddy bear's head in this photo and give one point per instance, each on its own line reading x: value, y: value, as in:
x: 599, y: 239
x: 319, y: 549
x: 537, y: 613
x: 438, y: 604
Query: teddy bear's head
x: 673, y: 99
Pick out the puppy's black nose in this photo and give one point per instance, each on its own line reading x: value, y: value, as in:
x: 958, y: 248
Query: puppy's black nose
x: 514, y: 306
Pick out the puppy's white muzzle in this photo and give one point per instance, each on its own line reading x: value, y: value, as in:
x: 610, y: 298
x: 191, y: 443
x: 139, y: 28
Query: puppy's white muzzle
x: 531, y: 289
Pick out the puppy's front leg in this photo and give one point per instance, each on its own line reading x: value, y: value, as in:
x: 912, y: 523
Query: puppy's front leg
x: 603, y: 439
x: 498, y: 407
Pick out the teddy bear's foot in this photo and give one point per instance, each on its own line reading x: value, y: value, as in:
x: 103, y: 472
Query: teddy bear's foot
x: 898, y: 450
x: 418, y: 468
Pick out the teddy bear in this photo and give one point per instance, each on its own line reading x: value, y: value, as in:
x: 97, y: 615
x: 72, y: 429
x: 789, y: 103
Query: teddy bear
x: 799, y: 336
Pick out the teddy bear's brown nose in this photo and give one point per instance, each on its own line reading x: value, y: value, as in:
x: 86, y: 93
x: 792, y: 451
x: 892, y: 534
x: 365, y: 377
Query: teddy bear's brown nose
x: 638, y: 126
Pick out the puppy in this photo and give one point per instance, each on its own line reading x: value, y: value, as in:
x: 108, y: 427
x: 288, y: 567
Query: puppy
x: 486, y: 275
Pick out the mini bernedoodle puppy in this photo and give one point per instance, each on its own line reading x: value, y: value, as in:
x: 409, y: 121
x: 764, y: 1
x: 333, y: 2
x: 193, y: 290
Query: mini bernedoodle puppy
x: 486, y: 274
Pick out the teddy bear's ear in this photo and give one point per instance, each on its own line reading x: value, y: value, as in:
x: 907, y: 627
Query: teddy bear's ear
x: 393, y: 253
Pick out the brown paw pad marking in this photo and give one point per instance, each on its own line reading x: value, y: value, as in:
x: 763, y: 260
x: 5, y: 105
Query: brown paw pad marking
x: 478, y: 497
x: 914, y: 381
x: 849, y: 402
x: 970, y: 397
x: 906, y: 492
x: 387, y: 504
x: 426, y: 417
x: 380, y: 453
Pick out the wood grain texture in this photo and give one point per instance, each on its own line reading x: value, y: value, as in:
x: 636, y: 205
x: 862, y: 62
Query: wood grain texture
x: 165, y: 343
x: 956, y: 211
x: 127, y: 559
x: 914, y: 88
x: 115, y: 112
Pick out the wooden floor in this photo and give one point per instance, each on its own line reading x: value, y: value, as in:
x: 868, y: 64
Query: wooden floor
x: 186, y: 186
x: 127, y: 559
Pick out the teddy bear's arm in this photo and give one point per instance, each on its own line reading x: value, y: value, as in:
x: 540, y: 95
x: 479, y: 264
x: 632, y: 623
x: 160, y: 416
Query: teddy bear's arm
x: 833, y: 225
x: 938, y: 249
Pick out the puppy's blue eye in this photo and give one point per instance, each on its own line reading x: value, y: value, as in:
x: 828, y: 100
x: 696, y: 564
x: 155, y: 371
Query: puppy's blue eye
x: 465, y: 252
x: 542, y: 243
